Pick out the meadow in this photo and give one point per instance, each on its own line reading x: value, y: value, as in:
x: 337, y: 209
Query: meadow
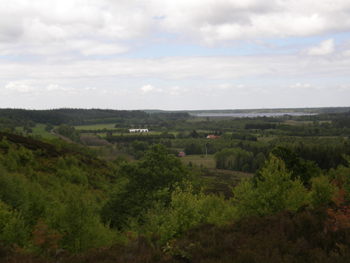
x: 39, y: 129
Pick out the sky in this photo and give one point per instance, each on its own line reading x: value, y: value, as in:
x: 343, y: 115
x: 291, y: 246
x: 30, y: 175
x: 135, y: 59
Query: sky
x: 174, y: 55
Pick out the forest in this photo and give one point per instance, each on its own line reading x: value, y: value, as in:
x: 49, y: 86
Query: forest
x: 263, y: 189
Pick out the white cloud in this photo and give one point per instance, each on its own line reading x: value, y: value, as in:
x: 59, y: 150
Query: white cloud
x: 224, y: 86
x: 175, y: 91
x: 175, y: 68
x: 57, y: 22
x: 346, y: 53
x: 19, y: 87
x: 150, y: 88
x: 300, y: 86
x: 326, y: 47
x: 90, y: 89
x: 53, y: 87
x: 147, y: 88
x: 344, y: 87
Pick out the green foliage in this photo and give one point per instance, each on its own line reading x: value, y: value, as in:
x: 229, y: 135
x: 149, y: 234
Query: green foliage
x: 120, y: 159
x: 186, y: 210
x: 34, y: 205
x: 69, y: 132
x: 68, y: 169
x: 298, y: 169
x: 275, y: 191
x: 49, y: 127
x: 154, y: 172
x: 61, y: 164
x: 4, y: 144
x: 25, y: 156
x: 5, y: 215
x: 77, y: 218
x: 321, y: 192
x: 15, y: 231
x: 73, y: 175
x: 234, y: 159
x: 13, y: 189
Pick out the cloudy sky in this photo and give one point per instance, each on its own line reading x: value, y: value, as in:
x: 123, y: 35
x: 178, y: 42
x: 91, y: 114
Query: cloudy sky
x: 173, y: 55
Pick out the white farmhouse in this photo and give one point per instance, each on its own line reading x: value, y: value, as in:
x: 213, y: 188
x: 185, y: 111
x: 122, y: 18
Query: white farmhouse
x: 138, y: 130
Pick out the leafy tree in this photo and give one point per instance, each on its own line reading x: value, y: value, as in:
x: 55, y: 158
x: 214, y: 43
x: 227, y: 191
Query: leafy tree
x: 4, y: 144
x: 5, y: 215
x: 298, y: 169
x: 322, y: 191
x: 49, y: 127
x: 146, y: 180
x: 16, y: 231
x: 275, y: 191
x: 77, y: 217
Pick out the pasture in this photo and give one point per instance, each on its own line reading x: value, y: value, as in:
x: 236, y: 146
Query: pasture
x: 39, y: 129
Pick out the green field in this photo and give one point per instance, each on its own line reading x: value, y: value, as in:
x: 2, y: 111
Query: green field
x: 39, y: 129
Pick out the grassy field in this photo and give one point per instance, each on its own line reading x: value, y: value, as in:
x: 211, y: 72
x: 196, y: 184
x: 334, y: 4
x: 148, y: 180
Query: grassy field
x: 39, y: 129
x: 200, y: 159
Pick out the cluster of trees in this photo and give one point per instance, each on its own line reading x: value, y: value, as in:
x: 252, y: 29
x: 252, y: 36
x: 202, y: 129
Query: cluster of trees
x: 75, y: 202
x: 152, y: 138
x: 260, y: 126
x: 238, y: 160
x: 69, y: 132
x: 68, y: 116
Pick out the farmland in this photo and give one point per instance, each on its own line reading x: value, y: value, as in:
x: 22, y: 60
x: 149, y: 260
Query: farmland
x: 39, y: 129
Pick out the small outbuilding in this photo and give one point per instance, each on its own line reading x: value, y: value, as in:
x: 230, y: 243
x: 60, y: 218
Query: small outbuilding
x: 181, y: 154
x: 213, y: 137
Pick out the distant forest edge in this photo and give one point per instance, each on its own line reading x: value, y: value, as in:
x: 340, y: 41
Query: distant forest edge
x: 264, y: 110
x: 20, y: 117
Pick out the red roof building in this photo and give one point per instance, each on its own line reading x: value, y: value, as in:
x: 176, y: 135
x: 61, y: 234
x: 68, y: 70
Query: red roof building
x: 213, y: 137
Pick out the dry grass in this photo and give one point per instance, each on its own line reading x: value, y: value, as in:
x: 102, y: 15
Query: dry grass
x: 208, y: 161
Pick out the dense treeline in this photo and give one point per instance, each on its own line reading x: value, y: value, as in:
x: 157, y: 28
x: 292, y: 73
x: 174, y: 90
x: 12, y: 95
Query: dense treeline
x: 67, y: 116
x: 260, y: 126
x: 139, y: 137
x: 11, y: 118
